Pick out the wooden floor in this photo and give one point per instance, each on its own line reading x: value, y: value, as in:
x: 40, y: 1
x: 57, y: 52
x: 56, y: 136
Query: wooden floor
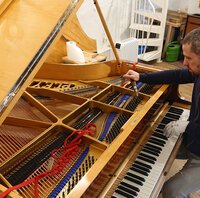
x: 186, y: 92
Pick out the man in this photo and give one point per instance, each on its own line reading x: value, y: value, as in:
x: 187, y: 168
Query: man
x: 188, y: 179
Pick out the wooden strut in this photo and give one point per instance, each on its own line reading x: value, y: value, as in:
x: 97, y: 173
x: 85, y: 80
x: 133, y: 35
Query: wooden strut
x: 107, y: 31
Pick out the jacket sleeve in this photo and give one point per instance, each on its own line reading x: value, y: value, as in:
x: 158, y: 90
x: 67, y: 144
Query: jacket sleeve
x: 178, y: 76
x: 194, y: 129
x: 192, y: 137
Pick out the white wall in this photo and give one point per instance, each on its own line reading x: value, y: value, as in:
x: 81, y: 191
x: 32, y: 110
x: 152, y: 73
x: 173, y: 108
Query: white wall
x: 114, y: 12
x: 91, y: 23
x: 189, y: 6
x: 194, y: 7
x: 89, y: 19
x: 176, y: 5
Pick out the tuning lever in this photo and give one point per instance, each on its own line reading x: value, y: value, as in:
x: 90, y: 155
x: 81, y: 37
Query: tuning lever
x: 134, y: 87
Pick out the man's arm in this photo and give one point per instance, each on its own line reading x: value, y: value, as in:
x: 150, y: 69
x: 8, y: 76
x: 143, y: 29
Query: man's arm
x: 179, y: 76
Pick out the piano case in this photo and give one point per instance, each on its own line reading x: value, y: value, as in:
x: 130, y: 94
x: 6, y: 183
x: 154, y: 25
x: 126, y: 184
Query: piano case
x: 71, y: 130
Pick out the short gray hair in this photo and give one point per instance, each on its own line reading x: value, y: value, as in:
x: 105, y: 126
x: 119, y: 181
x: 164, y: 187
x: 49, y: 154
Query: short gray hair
x: 193, y: 38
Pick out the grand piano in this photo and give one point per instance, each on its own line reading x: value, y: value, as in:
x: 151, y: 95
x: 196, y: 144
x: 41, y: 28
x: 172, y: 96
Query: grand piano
x: 71, y: 130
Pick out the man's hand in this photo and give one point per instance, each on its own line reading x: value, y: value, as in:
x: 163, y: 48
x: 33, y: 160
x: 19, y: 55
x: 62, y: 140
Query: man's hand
x: 175, y: 128
x: 132, y: 75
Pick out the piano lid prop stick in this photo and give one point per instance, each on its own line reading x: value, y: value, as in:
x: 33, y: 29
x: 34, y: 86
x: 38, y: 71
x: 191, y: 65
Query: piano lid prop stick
x: 107, y: 31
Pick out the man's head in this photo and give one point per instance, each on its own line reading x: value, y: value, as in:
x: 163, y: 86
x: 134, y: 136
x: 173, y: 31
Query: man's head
x: 191, y: 51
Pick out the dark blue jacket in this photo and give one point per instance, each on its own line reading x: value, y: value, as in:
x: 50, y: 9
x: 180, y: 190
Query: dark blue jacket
x: 182, y: 76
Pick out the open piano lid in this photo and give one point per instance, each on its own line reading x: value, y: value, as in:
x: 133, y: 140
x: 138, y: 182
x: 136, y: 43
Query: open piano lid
x: 28, y: 30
